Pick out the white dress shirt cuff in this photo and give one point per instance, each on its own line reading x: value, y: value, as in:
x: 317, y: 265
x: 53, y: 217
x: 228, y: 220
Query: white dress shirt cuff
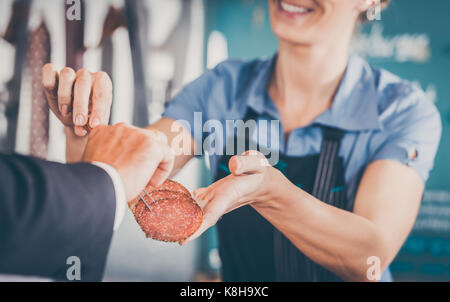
x: 119, y: 190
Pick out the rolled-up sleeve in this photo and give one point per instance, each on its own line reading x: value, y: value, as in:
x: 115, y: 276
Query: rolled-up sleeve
x: 411, y: 133
x: 189, y: 106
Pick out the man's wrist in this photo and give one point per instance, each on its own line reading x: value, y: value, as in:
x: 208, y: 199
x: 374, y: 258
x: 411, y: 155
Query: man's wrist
x: 119, y: 190
x: 75, y: 145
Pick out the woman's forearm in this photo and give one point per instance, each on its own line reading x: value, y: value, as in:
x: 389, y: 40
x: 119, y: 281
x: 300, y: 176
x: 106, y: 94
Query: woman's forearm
x: 339, y: 240
x: 75, y: 145
x: 179, y: 139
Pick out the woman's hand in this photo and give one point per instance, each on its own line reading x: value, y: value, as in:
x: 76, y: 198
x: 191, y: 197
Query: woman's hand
x: 80, y: 100
x: 251, y: 181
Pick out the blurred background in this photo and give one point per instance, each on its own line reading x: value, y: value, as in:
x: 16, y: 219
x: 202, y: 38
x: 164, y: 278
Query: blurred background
x: 151, y: 48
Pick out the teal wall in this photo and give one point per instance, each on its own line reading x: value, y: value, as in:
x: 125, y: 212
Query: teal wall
x: 234, y: 18
x: 246, y: 26
x: 432, y: 18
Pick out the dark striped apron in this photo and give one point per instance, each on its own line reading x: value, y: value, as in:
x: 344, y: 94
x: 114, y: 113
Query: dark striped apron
x: 251, y: 249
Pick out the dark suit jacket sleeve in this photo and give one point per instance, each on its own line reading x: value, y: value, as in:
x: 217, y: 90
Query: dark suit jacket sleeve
x: 51, y: 211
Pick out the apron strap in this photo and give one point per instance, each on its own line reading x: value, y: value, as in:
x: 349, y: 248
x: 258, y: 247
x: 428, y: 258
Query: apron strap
x: 290, y: 263
x: 323, y: 183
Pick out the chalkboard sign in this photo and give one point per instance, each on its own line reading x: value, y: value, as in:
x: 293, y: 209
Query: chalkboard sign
x: 412, y: 40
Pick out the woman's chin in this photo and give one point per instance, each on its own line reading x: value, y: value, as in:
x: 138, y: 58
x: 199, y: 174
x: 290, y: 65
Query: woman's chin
x: 293, y: 36
x: 293, y: 26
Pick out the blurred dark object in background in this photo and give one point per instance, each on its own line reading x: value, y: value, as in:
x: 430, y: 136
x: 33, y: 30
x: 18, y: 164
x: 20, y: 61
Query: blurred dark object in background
x: 16, y: 34
x: 75, y: 39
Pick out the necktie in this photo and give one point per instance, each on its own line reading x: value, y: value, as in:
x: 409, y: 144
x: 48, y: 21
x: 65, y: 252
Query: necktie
x: 38, y: 55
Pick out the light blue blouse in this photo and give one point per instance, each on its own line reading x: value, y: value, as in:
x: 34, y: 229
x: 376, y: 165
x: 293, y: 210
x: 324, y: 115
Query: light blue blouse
x: 384, y: 117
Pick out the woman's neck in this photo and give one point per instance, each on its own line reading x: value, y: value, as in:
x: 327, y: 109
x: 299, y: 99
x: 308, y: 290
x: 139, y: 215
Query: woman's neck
x: 307, y: 74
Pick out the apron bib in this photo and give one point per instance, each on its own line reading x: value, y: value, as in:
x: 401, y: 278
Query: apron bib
x: 251, y: 249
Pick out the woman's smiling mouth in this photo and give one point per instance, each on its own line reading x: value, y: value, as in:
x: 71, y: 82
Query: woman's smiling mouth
x: 293, y: 9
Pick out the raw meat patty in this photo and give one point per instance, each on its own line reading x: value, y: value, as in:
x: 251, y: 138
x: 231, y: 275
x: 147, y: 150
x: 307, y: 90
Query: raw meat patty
x: 171, y: 215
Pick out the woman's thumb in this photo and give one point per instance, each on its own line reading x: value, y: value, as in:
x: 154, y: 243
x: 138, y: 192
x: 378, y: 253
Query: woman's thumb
x: 249, y: 162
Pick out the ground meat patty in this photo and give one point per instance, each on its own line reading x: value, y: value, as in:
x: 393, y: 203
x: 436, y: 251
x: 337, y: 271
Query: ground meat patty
x: 168, y: 214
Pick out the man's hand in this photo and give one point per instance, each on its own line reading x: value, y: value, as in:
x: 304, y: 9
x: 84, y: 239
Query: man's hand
x: 78, y: 99
x: 140, y: 156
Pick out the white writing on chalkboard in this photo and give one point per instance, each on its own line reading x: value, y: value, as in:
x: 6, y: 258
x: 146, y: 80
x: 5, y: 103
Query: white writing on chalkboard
x: 406, y: 47
x: 434, y: 214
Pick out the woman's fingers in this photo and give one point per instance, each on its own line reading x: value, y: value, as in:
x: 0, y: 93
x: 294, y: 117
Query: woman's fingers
x: 211, y: 214
x: 67, y: 78
x: 216, y: 188
x: 81, y: 96
x: 101, y: 99
x: 199, y: 196
x: 204, y: 195
x: 249, y: 162
x: 203, y: 227
x: 198, y: 193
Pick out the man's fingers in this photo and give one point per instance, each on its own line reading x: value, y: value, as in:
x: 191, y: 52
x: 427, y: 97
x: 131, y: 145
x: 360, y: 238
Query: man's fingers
x: 97, y: 130
x: 65, y: 86
x: 50, y: 80
x: 165, y: 166
x: 101, y: 99
x: 82, y: 93
x: 249, y: 162
x: 80, y: 130
x: 158, y: 135
x: 163, y: 157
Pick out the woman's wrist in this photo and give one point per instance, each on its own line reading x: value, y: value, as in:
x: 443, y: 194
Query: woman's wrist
x: 279, y: 196
x: 272, y: 188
